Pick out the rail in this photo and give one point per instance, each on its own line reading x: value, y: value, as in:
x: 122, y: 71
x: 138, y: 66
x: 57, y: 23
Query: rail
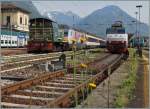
x: 68, y: 87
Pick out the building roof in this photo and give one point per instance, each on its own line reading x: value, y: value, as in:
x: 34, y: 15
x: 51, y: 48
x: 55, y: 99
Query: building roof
x: 9, y: 6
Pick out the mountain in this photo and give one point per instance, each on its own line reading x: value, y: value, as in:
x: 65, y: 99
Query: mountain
x: 67, y: 18
x: 99, y: 20
x: 96, y: 22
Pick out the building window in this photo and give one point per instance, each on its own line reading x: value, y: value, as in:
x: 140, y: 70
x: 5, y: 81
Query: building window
x: 20, y: 20
x: 8, y: 20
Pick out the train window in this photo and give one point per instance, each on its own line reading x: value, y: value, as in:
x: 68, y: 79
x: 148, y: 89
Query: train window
x: 12, y: 42
x: 65, y: 33
x: 121, y: 31
x: 6, y: 42
x: 115, y: 30
x: 92, y: 40
x: 9, y: 42
x: 2, y: 41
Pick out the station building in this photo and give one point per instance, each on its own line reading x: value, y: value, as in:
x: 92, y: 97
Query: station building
x: 14, y: 26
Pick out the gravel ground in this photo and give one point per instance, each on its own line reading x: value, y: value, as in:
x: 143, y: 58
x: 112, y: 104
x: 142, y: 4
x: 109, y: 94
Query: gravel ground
x: 141, y: 93
x: 13, y: 51
x: 99, y: 97
x: 6, y: 82
x: 34, y: 72
x: 146, y: 53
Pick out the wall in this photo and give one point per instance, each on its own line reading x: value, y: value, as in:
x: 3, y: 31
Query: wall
x: 15, y: 20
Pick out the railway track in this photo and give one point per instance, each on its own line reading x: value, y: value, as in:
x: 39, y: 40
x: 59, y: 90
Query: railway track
x: 23, y: 72
x: 57, y: 89
x: 31, y: 59
x: 30, y: 71
x: 27, y: 64
x: 23, y: 57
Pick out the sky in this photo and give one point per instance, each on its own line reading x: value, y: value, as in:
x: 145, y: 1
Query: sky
x: 84, y: 8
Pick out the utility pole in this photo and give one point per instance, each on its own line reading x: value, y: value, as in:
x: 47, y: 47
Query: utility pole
x: 108, y: 89
x: 136, y: 24
x: 139, y: 6
x: 73, y: 22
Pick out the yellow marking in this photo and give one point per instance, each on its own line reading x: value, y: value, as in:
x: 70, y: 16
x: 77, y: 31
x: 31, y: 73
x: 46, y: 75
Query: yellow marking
x: 146, y: 82
x: 92, y: 85
x: 83, y: 65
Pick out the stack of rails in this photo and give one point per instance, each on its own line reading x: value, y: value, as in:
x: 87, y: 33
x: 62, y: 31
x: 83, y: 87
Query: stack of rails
x: 23, y: 57
x: 56, y: 89
x: 33, y: 59
x: 13, y: 62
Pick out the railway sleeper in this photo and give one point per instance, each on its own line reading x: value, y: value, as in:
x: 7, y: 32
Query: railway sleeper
x: 65, y: 81
x: 72, y: 78
x: 47, y: 92
x: 73, y: 97
x: 37, y: 94
x: 53, y: 89
x: 26, y: 100
x: 59, y: 85
x: 14, y: 105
